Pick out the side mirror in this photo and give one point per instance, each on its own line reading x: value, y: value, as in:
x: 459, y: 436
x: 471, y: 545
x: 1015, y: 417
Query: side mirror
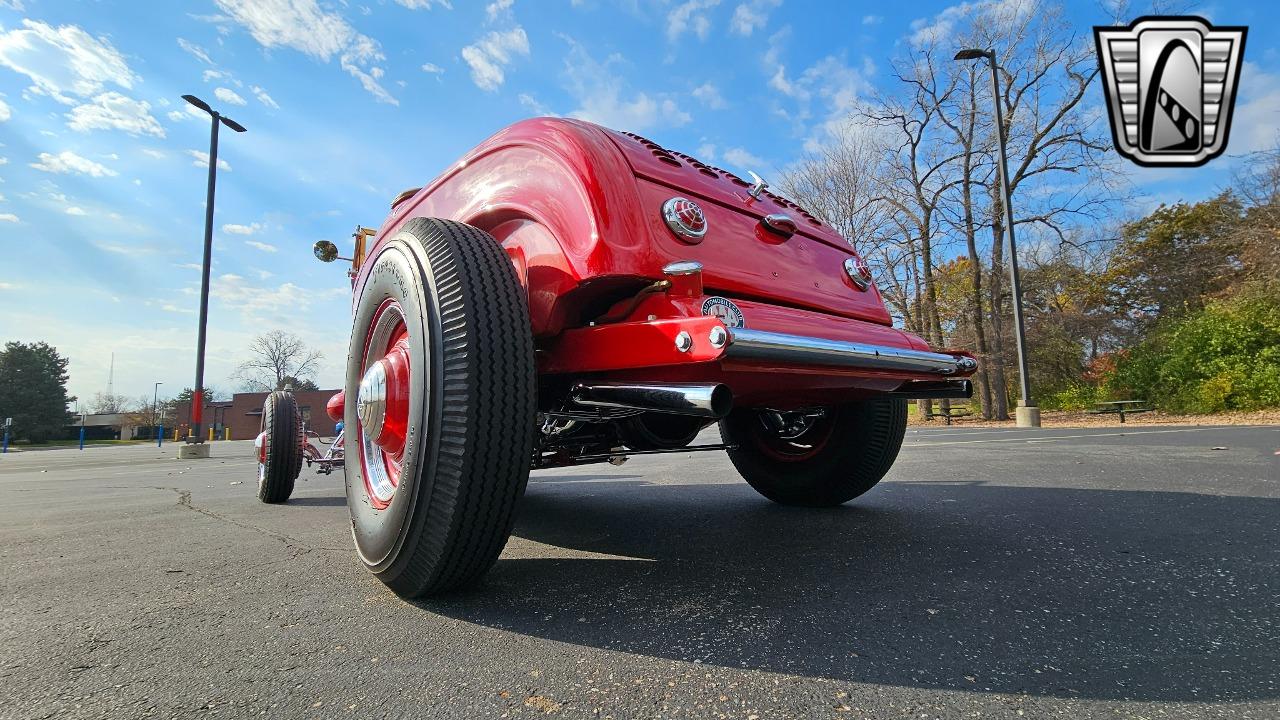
x: 325, y: 251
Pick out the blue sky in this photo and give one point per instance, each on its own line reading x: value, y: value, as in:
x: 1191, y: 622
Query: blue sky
x: 347, y: 103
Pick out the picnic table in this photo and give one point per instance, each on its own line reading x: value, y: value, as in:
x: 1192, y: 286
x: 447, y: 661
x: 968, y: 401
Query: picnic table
x: 1120, y: 407
x: 950, y: 413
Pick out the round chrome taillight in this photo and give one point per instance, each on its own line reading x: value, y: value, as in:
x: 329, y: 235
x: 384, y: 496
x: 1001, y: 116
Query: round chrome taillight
x: 685, y: 219
x: 858, y: 271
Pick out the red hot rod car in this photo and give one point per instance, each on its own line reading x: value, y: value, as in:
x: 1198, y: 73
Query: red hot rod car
x: 567, y: 294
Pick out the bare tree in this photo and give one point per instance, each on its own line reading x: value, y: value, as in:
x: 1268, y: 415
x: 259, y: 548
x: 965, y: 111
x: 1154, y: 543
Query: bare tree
x: 107, y: 403
x: 275, y: 358
x: 1045, y: 69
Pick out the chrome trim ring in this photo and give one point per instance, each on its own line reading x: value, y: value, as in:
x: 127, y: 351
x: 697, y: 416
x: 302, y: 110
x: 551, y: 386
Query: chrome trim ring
x: 685, y: 219
x: 858, y: 273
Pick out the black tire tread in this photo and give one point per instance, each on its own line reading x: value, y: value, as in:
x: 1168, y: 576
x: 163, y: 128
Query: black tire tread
x: 867, y: 438
x: 282, y: 422
x: 488, y: 400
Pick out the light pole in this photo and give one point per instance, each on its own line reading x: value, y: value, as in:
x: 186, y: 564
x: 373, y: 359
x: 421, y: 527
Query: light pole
x: 1027, y: 414
x: 194, y: 438
x: 155, y: 415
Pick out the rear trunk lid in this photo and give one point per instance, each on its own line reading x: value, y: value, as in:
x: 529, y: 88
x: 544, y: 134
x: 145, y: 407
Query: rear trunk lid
x: 739, y: 258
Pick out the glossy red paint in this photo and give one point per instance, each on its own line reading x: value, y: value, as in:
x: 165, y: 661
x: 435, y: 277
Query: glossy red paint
x: 629, y: 345
x: 334, y: 407
x: 578, y: 209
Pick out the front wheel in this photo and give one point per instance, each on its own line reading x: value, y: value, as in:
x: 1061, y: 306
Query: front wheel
x: 279, y: 447
x: 443, y: 422
x: 816, y: 457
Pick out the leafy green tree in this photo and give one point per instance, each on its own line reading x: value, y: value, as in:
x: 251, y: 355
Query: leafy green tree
x: 1224, y: 357
x: 1174, y: 260
x: 33, y: 390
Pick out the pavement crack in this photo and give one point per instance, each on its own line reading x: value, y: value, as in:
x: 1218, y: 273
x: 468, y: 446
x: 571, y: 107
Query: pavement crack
x: 296, y: 546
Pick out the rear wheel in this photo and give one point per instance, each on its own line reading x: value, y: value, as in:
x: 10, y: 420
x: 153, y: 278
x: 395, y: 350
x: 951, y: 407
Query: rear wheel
x: 279, y: 447
x: 443, y: 422
x: 817, y: 457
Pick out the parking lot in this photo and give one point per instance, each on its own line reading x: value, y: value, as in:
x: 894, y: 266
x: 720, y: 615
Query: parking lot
x: 995, y: 573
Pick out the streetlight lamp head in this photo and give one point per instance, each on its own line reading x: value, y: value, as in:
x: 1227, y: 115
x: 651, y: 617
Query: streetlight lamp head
x: 198, y: 103
x: 231, y: 123
x: 972, y: 54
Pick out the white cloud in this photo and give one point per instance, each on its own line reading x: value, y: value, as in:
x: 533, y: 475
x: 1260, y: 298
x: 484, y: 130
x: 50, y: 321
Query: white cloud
x: 201, y: 159
x: 188, y: 112
x: 492, y: 53
x: 752, y: 15
x: 227, y: 95
x: 425, y: 4
x: 690, y: 17
x: 5, y: 112
x: 4, y: 161
x: 305, y: 27
x: 152, y: 152
x: 208, y: 75
x: 743, y: 159
x: 603, y: 97
x: 872, y: 19
x: 234, y: 229
x: 432, y: 68
x: 195, y: 50
x: 535, y: 105
x: 67, y: 162
x: 264, y: 247
x: 253, y: 302
x: 113, y: 111
x: 1257, y: 106
x: 9, y: 217
x: 264, y: 98
x: 63, y: 60
x: 709, y: 95
x: 497, y: 8
x: 941, y: 27
x: 707, y: 152
x: 73, y: 210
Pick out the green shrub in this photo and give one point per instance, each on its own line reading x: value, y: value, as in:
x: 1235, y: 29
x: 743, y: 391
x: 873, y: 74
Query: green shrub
x: 1075, y: 397
x: 1224, y: 357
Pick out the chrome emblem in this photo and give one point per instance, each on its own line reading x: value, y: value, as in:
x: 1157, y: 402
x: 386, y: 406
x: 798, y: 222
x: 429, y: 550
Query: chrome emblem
x: 858, y: 271
x: 685, y: 219
x: 724, y: 310
x: 1170, y: 85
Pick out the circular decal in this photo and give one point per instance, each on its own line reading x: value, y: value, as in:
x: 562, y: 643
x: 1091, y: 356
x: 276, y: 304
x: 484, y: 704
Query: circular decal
x: 725, y: 310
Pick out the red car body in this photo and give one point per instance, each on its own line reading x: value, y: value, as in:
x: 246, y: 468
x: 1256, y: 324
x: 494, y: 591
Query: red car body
x: 579, y: 210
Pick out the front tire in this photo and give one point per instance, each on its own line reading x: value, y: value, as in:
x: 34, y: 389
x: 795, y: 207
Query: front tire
x: 840, y: 454
x: 443, y: 423
x: 280, y: 454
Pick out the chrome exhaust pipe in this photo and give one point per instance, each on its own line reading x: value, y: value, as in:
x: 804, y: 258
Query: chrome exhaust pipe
x: 709, y: 401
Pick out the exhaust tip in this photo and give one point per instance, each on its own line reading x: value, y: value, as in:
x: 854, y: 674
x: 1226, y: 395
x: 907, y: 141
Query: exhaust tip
x: 721, y: 400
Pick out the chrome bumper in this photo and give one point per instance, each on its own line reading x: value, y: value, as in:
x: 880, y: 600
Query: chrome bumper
x: 747, y: 344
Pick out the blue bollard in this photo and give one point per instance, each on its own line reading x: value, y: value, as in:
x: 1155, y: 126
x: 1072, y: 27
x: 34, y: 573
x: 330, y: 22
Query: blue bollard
x: 160, y: 436
x: 81, y: 437
x: 5, y: 450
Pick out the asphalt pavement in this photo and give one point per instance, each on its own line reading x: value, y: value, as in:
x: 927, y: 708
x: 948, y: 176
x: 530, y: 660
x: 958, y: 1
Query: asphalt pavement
x: 994, y: 573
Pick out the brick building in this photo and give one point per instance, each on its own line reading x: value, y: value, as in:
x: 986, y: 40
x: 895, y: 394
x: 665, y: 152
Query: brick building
x: 243, y: 414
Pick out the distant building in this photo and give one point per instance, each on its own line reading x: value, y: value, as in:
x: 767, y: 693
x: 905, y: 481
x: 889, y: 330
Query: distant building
x: 109, y: 426
x: 243, y: 414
